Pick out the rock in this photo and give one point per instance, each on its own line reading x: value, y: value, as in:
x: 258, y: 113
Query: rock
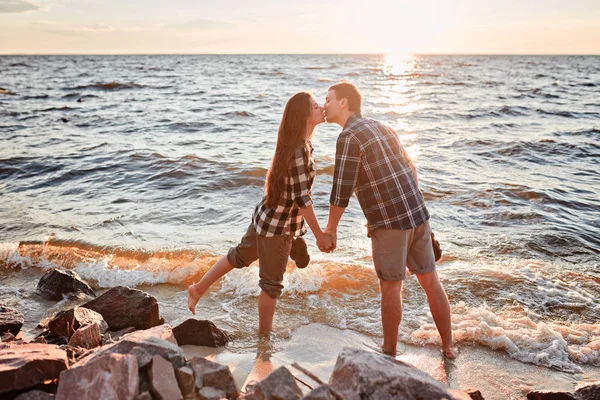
x: 210, y: 393
x: 113, y: 336
x: 34, y: 395
x: 143, y: 357
x: 186, y: 381
x: 217, y: 376
x: 200, y: 333
x: 360, y: 374
x: 65, y: 323
x: 322, y: 392
x: 589, y: 391
x: 54, y: 284
x: 7, y: 337
x: 279, y: 385
x: 145, y: 396
x: 549, y: 395
x: 87, y: 336
x: 162, y: 377
x: 113, y: 376
x: 10, y: 320
x: 474, y: 394
x: 152, y: 345
x: 22, y: 367
x: 164, y: 332
x: 122, y: 307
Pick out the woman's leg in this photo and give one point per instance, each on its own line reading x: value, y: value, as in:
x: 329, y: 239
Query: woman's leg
x: 240, y: 256
x: 197, y: 290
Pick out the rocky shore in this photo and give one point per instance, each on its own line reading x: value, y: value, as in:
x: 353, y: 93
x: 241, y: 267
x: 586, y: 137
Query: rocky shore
x: 116, y: 346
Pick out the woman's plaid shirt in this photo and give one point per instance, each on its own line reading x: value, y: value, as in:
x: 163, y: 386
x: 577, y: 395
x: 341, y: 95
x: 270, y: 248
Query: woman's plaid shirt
x: 369, y: 160
x: 285, y: 218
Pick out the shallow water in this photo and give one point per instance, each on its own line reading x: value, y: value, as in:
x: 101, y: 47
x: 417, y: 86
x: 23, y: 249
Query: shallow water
x: 156, y: 171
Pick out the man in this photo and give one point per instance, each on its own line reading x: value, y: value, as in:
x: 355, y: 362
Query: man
x: 371, y: 162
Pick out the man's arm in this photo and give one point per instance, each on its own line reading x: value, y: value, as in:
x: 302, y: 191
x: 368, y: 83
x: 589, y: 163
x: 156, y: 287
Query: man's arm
x: 410, y: 163
x: 347, y: 164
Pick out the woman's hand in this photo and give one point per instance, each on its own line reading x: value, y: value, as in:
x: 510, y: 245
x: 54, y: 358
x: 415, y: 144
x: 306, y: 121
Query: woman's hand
x: 326, y: 242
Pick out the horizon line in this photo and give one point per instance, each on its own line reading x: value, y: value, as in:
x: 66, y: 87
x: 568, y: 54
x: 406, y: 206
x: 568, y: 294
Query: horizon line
x: 304, y: 54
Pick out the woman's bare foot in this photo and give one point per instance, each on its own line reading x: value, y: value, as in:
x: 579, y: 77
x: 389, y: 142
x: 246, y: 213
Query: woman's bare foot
x: 450, y: 352
x: 194, y: 294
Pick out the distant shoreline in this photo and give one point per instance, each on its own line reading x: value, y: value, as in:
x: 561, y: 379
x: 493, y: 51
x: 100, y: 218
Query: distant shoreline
x: 299, y: 54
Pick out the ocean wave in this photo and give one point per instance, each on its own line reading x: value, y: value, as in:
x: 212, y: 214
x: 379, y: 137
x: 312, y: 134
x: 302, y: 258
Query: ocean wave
x: 238, y: 114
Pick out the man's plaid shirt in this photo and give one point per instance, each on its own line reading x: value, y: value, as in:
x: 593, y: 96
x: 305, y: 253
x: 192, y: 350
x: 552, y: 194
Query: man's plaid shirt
x: 284, y: 218
x: 369, y: 160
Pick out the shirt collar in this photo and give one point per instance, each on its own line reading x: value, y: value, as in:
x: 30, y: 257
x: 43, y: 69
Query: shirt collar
x: 353, y: 118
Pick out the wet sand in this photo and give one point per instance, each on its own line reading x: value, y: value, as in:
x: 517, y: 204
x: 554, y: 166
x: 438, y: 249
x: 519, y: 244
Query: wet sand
x: 315, y: 347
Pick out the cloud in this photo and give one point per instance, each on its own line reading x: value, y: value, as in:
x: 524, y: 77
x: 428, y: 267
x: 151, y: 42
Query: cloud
x: 55, y: 27
x: 17, y: 6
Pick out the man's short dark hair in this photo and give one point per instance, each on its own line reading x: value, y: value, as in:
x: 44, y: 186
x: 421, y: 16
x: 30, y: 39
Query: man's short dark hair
x: 349, y: 91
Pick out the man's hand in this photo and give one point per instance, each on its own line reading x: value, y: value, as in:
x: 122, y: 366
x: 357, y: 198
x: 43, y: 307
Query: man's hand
x: 326, y: 243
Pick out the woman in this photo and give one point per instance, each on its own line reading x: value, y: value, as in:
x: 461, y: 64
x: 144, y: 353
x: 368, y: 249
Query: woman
x: 282, y: 213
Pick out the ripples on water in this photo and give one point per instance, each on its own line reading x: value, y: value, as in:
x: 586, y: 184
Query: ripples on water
x: 141, y: 169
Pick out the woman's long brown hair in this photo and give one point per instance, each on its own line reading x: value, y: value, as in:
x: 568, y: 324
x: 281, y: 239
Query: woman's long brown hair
x: 292, y: 133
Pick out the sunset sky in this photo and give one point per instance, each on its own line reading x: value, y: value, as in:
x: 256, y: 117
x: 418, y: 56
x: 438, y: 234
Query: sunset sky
x: 307, y: 26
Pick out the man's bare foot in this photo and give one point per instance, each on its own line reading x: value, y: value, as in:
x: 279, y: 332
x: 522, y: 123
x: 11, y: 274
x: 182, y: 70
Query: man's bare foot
x: 193, y: 296
x: 450, y: 352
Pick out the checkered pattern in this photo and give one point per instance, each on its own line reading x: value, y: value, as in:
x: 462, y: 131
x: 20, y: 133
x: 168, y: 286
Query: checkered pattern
x: 369, y: 160
x: 285, y: 218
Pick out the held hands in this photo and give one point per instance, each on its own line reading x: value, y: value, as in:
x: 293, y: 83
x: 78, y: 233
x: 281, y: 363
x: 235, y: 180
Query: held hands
x: 328, y: 241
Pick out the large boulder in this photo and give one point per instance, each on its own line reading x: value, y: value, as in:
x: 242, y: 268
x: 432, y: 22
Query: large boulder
x: 360, y: 374
x: 65, y: 323
x: 162, y: 377
x: 27, y: 365
x: 212, y: 375
x: 200, y: 333
x: 123, y: 307
x: 110, y: 377
x: 279, y: 385
x: 151, y: 345
x: 185, y: 379
x: 55, y: 284
x: 11, y: 320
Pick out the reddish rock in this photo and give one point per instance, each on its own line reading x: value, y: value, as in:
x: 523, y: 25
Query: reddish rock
x: 186, y: 381
x: 87, y: 336
x: 55, y: 284
x: 164, y: 332
x: 200, y: 333
x: 550, y: 395
x: 113, y: 336
x: 152, y: 345
x: 65, y: 323
x: 360, y: 374
x: 10, y: 320
x: 123, y: 307
x: 162, y: 377
x: 588, y: 391
x: 113, y: 376
x: 24, y: 366
x: 279, y: 385
x: 216, y: 376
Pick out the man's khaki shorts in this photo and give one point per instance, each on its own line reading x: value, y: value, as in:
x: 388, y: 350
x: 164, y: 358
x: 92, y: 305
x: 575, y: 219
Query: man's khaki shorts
x: 395, y: 249
x: 272, y: 254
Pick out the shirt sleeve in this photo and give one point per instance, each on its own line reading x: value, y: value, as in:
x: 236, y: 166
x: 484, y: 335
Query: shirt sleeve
x: 300, y: 178
x: 347, y: 163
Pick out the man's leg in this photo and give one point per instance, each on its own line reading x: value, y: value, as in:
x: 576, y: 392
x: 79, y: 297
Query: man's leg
x: 391, y: 314
x: 197, y: 290
x: 440, y: 310
x: 266, y: 311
